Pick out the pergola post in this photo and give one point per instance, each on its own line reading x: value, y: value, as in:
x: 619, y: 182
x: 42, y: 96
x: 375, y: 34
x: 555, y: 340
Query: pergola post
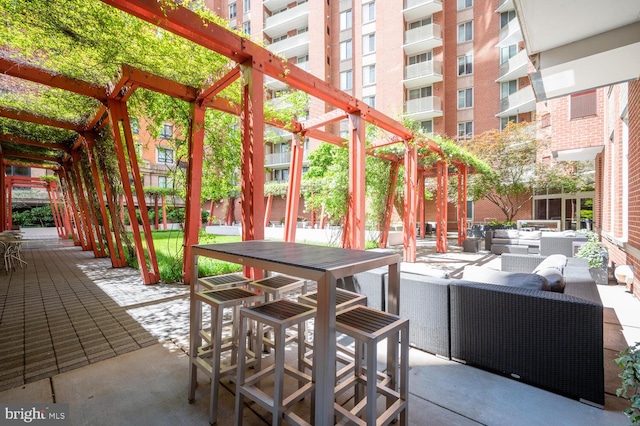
x: 67, y: 191
x: 87, y: 241
x: 267, y: 210
x: 252, y: 125
x: 410, y: 201
x: 115, y: 261
x: 9, y: 203
x: 462, y: 203
x: 421, y: 202
x: 116, y: 219
x: 93, y: 189
x: 193, y: 213
x: 293, y: 191
x: 355, y: 225
x: 50, y: 186
x: 3, y: 196
x: 441, y: 206
x: 388, y: 204
x: 93, y: 226
x: 120, y: 123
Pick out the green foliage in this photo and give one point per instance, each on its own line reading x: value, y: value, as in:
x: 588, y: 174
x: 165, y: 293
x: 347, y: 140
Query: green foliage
x: 629, y: 363
x: 594, y: 252
x: 328, y: 174
x: 36, y: 216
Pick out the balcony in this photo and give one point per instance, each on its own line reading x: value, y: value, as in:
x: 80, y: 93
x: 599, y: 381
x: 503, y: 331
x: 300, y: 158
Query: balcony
x: 422, y: 39
x: 280, y: 159
x: 275, y: 84
x: 423, y: 108
x: 510, y: 34
x: 272, y: 5
x: 290, y: 19
x: 275, y: 134
x: 505, y: 5
x: 521, y: 101
x: 515, y: 67
x: 293, y: 46
x: 416, y: 9
x: 422, y: 74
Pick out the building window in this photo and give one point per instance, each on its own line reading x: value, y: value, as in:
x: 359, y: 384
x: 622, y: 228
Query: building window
x: 423, y: 92
x: 346, y: 50
x: 233, y: 11
x: 135, y: 126
x: 464, y: 4
x: 419, y: 58
x: 165, y: 182
x: 346, y: 20
x: 17, y: 171
x: 346, y: 80
x: 427, y: 126
x: 280, y: 38
x: 508, y: 88
x: 281, y: 175
x: 368, y: 75
x: 419, y: 23
x: 465, y: 130
x: 368, y: 43
x: 302, y: 59
x: 465, y: 98
x: 370, y: 100
x: 302, y: 30
x: 465, y: 64
x: 246, y: 5
x: 506, y: 17
x: 165, y: 155
x: 545, y: 121
x: 469, y: 209
x: 167, y: 131
x: 368, y: 12
x: 584, y: 104
x: 465, y: 32
x: 505, y: 120
x: 507, y: 53
x: 246, y: 27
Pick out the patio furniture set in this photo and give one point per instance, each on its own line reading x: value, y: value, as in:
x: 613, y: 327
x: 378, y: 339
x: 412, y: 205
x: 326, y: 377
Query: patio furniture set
x: 531, y: 241
x: 11, y: 250
x: 262, y: 318
x: 538, y: 320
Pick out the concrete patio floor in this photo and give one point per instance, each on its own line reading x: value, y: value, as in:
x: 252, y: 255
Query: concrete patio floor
x: 74, y: 330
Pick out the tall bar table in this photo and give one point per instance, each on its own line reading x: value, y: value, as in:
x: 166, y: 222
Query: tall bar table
x: 323, y: 264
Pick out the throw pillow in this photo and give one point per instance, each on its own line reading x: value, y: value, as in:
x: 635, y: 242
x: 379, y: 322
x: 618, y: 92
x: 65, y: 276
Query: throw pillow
x: 500, y: 233
x: 509, y: 279
x: 530, y: 235
x: 554, y: 279
x: 556, y: 261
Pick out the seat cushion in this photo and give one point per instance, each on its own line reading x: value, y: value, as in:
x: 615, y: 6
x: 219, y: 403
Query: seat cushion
x: 556, y: 261
x: 509, y: 279
x: 554, y: 278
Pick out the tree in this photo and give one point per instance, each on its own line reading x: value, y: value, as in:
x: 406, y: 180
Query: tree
x: 512, y: 153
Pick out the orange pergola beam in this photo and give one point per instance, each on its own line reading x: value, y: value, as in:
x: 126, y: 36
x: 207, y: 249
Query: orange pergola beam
x: 462, y: 203
x: 38, y: 119
x: 441, y: 206
x: 410, y: 202
x: 17, y: 140
x: 293, y: 190
x: 388, y: 203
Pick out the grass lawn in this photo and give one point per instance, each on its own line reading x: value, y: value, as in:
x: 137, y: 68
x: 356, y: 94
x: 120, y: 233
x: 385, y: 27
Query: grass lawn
x: 168, y: 245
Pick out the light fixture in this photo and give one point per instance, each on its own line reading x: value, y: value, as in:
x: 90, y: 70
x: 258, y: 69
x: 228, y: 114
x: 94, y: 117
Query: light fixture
x: 624, y: 274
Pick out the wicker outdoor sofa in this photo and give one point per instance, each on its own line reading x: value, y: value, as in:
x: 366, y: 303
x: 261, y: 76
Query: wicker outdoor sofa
x: 547, y: 339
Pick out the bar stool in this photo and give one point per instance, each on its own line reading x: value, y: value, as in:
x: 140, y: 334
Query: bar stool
x: 209, y: 357
x: 369, y: 327
x: 280, y: 315
x: 344, y: 300
x: 276, y: 286
x: 217, y: 282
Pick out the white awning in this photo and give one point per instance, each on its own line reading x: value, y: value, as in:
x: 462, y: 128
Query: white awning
x: 578, y: 154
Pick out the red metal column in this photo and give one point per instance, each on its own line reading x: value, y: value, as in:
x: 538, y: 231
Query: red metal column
x: 293, y: 191
x: 113, y: 254
x: 388, y: 203
x: 355, y: 225
x: 193, y: 213
x: 3, y: 196
x: 86, y: 238
x: 120, y: 123
x: 64, y: 229
x: 410, y: 200
x: 54, y: 208
x: 441, y: 206
x: 87, y: 209
x: 9, y: 203
x: 252, y: 118
x: 462, y: 203
x: 68, y: 193
x: 116, y: 219
x: 421, y: 202
x: 267, y: 210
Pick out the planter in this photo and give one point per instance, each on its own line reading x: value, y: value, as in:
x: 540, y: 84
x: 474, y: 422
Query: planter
x: 600, y: 275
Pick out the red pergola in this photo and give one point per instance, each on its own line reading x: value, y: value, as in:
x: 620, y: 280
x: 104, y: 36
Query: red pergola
x: 253, y: 62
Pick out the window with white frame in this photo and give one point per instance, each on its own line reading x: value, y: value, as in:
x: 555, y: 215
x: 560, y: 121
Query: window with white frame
x: 346, y: 20
x: 302, y: 59
x: 464, y: 4
x: 166, y: 132
x: 506, y: 17
x: 508, y: 52
x: 465, y: 98
x: 165, y: 155
x: 508, y: 88
x: 368, y: 43
x: 422, y: 92
x: 427, y: 126
x: 135, y: 126
x: 280, y: 38
x: 368, y: 12
x: 368, y: 75
x: 465, y: 130
x: 505, y: 120
x: 165, y: 182
x: 346, y: 80
x: 370, y: 100
x: 465, y: 32
x: 419, y: 58
x: 419, y: 23
x: 465, y: 64
x: 246, y: 27
x: 346, y: 50
x: 233, y: 11
x: 246, y: 5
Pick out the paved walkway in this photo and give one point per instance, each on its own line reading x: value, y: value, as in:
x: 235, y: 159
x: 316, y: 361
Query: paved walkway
x: 73, y: 329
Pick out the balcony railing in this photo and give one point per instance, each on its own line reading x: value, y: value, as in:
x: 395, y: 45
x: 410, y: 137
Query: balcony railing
x: 290, y: 19
x: 510, y: 34
x: 422, y: 74
x: 515, y: 67
x: 521, y: 101
x: 280, y: 158
x: 423, y: 108
x: 416, y: 9
x: 422, y: 39
x: 275, y: 4
x: 293, y: 46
